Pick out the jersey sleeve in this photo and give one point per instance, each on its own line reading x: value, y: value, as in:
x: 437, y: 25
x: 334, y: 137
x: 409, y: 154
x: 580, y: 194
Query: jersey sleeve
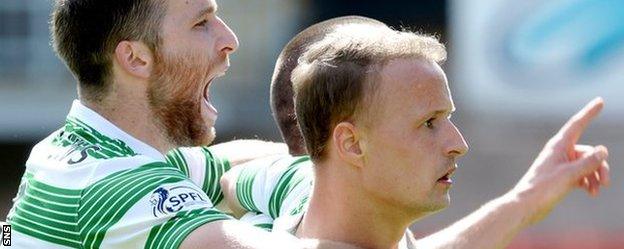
x: 266, y: 185
x: 152, y: 206
x: 202, y: 167
x: 259, y: 220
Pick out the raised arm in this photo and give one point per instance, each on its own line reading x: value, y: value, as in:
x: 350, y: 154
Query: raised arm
x: 559, y: 168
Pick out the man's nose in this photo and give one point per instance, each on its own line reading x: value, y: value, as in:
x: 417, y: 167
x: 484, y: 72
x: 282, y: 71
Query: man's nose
x: 228, y: 42
x: 457, y: 145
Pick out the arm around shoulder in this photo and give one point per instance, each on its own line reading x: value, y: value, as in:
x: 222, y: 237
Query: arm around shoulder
x: 236, y: 235
x: 241, y: 151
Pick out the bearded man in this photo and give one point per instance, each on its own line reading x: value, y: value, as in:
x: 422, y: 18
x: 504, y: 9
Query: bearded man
x: 143, y: 69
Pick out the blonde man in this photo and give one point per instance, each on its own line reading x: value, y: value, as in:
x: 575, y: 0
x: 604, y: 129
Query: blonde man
x: 373, y: 105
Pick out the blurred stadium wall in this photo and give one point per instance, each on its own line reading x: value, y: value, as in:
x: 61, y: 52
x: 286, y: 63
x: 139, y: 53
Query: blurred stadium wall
x: 517, y: 70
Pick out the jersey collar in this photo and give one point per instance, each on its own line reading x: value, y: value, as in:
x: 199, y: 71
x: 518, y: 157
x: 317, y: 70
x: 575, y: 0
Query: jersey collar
x: 105, y: 127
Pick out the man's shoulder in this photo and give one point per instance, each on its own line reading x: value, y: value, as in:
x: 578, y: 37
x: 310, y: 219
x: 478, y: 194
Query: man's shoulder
x: 77, y: 157
x: 72, y: 168
x: 72, y: 145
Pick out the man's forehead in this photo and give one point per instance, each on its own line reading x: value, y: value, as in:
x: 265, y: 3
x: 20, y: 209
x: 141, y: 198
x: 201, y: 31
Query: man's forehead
x: 415, y: 74
x: 418, y: 83
x: 192, y: 9
x: 406, y: 68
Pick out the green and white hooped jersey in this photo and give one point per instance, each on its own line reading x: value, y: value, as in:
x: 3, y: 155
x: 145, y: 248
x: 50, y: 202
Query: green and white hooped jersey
x: 280, y: 187
x: 276, y: 186
x: 259, y: 220
x: 202, y: 167
x: 91, y: 185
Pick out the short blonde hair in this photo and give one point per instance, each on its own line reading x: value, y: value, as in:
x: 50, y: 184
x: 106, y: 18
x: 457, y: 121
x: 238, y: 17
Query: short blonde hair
x: 336, y: 74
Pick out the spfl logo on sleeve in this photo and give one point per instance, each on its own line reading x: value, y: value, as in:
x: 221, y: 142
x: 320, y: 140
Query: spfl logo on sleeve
x: 165, y: 201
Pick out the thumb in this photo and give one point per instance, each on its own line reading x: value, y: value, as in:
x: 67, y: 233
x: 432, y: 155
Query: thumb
x: 589, y: 163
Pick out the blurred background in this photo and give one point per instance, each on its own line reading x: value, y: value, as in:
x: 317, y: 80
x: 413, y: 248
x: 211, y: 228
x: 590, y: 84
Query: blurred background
x: 517, y: 70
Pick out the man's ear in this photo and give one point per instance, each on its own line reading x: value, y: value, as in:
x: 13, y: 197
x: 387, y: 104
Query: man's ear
x: 135, y: 58
x: 347, y: 142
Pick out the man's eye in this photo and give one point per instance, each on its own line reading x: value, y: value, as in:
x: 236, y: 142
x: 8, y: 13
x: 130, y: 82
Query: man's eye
x: 202, y: 23
x: 429, y: 123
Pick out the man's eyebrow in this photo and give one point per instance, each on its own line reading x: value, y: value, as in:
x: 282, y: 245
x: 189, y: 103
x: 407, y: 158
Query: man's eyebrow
x: 438, y: 112
x: 209, y: 10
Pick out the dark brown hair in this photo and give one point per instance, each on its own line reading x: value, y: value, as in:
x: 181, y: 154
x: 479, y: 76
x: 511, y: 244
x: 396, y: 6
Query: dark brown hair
x: 282, y: 103
x: 85, y: 34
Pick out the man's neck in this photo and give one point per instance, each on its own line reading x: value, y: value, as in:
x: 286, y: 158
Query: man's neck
x: 134, y: 117
x: 340, y: 211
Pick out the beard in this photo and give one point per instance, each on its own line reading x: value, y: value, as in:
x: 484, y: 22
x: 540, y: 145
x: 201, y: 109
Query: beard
x: 176, y: 95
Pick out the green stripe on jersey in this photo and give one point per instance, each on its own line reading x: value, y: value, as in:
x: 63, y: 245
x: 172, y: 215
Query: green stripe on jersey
x: 105, y: 202
x: 171, y: 233
x: 244, y: 188
x: 176, y: 158
x: 81, y: 218
x: 265, y: 226
x: 284, y: 186
x: 215, y: 168
x: 48, y: 213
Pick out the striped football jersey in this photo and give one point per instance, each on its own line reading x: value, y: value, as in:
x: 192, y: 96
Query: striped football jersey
x: 91, y: 185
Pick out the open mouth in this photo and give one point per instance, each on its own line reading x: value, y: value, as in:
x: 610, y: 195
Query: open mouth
x: 207, y: 90
x: 206, y: 95
x: 447, y: 178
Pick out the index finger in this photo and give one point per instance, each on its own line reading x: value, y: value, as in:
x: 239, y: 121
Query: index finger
x: 576, y: 125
